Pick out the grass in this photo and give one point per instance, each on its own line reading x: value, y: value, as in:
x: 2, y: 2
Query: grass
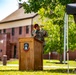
x: 13, y: 61
x: 59, y: 70
x: 56, y: 63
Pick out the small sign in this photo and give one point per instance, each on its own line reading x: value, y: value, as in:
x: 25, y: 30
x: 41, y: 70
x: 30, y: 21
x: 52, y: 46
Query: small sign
x: 26, y: 46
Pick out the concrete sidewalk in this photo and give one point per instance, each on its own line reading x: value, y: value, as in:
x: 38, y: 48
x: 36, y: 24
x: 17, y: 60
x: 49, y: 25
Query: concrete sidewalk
x: 58, y: 67
x: 9, y: 65
x: 43, y: 66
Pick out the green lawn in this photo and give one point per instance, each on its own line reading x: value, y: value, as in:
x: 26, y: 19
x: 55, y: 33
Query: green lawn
x: 52, y: 69
x: 55, y: 63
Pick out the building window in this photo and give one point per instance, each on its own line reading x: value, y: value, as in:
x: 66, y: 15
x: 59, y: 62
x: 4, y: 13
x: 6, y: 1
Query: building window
x: 13, y: 30
x: 0, y: 31
x: 20, y: 30
x: 27, y: 29
x: 4, y: 30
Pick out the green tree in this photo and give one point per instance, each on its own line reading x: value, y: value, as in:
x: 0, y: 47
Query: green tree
x: 54, y: 26
x: 72, y: 34
x: 54, y: 10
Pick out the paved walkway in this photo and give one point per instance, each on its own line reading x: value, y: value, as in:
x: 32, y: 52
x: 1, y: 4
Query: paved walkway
x: 10, y: 65
x: 43, y: 66
x: 57, y: 67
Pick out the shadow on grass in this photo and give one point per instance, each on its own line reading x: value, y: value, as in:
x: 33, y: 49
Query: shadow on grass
x: 8, y: 70
x: 55, y: 62
x: 71, y: 71
x: 60, y: 70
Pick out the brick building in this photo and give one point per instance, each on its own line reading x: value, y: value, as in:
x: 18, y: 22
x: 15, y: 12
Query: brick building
x: 15, y: 26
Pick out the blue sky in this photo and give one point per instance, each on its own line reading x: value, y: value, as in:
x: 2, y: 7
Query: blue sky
x: 7, y: 7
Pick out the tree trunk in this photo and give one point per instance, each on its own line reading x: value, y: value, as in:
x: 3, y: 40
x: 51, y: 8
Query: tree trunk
x: 61, y: 59
x: 61, y: 42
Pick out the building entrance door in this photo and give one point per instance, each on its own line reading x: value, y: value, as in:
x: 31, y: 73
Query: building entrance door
x: 14, y: 55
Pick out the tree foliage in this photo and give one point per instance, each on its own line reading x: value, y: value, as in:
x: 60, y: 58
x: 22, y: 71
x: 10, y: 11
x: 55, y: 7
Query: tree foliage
x: 54, y: 11
x: 72, y: 34
x: 36, y: 5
